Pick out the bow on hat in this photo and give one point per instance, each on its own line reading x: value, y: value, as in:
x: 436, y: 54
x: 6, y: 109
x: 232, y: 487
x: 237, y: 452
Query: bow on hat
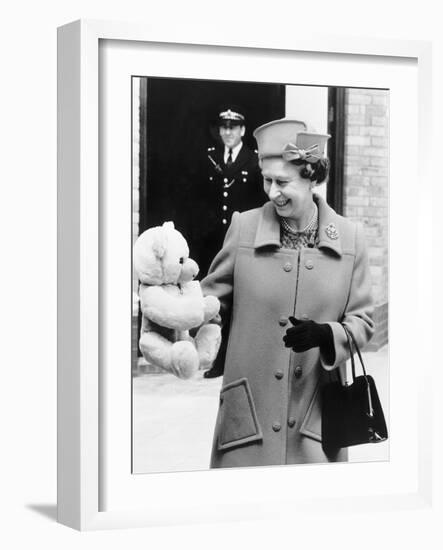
x: 292, y: 152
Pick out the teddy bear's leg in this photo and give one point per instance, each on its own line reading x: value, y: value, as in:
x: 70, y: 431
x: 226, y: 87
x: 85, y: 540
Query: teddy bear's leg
x: 207, y: 342
x: 185, y: 359
x: 211, y: 307
x: 157, y: 350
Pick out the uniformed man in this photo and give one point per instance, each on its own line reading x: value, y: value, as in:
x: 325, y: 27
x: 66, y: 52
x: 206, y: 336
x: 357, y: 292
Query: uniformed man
x: 234, y: 184
x: 234, y: 181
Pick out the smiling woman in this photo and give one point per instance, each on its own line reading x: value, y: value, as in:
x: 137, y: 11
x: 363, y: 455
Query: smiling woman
x: 294, y: 260
x: 290, y: 193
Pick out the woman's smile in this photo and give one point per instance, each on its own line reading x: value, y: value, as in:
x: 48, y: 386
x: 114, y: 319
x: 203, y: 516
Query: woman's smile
x: 281, y: 202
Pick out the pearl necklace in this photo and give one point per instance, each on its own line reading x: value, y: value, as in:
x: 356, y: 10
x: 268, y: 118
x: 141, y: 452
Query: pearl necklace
x: 312, y: 224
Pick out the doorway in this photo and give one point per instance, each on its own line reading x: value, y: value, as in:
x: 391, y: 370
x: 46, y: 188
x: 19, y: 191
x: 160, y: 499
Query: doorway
x: 176, y: 128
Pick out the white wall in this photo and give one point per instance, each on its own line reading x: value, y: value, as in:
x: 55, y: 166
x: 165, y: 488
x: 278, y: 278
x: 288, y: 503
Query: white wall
x: 310, y: 105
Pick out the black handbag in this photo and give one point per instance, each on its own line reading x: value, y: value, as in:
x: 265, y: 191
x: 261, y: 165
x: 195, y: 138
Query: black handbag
x: 352, y: 414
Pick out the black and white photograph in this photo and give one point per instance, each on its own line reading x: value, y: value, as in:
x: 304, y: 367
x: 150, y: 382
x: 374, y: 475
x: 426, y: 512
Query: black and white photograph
x: 221, y: 276
x: 260, y: 236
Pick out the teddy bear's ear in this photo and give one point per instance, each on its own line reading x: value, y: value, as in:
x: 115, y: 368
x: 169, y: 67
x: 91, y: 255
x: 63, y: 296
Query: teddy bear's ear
x: 168, y: 226
x: 160, y: 242
x: 161, y: 238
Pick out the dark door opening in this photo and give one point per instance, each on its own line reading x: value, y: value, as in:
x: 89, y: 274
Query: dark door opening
x: 336, y: 147
x: 175, y: 126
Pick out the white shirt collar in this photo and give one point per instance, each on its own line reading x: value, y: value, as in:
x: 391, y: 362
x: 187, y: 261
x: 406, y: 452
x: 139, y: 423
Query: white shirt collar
x: 235, y: 152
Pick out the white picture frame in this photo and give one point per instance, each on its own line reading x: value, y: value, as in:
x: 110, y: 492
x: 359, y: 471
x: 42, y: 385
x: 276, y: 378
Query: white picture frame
x: 80, y: 391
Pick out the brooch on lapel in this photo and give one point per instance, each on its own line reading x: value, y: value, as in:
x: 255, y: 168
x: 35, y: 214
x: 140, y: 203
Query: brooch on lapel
x: 331, y: 231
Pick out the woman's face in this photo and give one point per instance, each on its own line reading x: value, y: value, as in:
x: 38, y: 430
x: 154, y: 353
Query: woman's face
x: 290, y: 193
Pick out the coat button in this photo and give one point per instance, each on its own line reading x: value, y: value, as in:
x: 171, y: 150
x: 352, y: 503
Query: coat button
x: 291, y: 422
x: 225, y: 180
x: 287, y: 266
x: 225, y: 207
x: 278, y: 374
x: 309, y: 264
x: 298, y: 371
x: 225, y: 193
x: 283, y: 321
x: 276, y: 426
x: 224, y: 221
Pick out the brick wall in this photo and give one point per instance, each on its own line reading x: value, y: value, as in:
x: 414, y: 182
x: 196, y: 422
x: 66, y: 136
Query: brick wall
x: 366, y: 189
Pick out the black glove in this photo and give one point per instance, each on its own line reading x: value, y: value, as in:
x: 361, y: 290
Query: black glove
x: 305, y: 335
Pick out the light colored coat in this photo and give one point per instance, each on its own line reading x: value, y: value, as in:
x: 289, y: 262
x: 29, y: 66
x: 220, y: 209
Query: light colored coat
x: 270, y: 409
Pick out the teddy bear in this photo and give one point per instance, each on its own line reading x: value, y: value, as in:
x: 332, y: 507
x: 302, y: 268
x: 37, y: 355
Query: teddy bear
x: 172, y: 304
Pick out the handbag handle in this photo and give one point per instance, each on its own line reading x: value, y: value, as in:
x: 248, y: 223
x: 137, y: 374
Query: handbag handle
x: 353, y: 344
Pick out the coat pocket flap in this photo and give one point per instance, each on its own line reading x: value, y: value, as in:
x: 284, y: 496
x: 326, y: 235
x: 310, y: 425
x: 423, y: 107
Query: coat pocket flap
x: 238, y: 423
x: 311, y: 425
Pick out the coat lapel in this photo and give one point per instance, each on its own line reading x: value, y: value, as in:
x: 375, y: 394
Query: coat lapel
x: 242, y: 158
x: 328, y: 227
x: 268, y: 229
x: 218, y: 156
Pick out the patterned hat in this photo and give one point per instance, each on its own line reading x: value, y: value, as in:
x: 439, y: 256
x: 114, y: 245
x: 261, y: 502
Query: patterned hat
x: 289, y: 139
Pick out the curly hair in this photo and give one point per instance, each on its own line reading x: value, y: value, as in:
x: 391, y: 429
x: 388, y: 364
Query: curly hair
x: 315, y: 172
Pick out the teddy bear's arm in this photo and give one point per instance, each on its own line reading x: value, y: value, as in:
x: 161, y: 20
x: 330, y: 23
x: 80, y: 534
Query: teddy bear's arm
x: 171, y: 307
x: 219, y: 280
x: 212, y: 307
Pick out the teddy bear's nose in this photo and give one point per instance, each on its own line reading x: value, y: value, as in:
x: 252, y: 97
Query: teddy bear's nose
x: 181, y: 260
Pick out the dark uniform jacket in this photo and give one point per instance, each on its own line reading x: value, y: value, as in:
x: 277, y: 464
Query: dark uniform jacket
x: 224, y: 190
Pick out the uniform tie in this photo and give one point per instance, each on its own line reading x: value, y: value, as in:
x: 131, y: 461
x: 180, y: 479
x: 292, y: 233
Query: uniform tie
x: 229, y: 159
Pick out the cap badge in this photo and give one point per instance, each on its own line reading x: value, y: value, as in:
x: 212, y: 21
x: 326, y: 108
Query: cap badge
x: 292, y: 152
x: 231, y: 115
x: 331, y: 231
